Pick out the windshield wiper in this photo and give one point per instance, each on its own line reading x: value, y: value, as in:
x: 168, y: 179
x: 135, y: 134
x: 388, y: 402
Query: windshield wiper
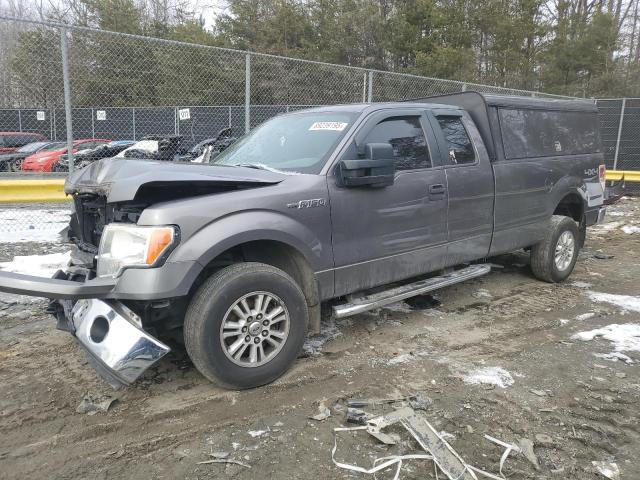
x: 257, y: 166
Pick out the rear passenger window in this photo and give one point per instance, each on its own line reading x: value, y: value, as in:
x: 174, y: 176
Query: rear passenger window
x: 407, y: 138
x: 458, y: 142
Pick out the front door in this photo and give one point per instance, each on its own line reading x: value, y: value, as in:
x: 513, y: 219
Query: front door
x: 381, y: 235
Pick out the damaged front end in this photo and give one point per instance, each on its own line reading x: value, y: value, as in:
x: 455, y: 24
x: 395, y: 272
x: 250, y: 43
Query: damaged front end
x: 121, y: 286
x: 111, y: 333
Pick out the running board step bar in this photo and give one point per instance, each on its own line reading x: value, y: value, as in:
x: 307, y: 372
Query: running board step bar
x: 398, y: 294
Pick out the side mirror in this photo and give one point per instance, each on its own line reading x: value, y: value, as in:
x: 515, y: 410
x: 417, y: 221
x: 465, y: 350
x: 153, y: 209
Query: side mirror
x: 377, y: 169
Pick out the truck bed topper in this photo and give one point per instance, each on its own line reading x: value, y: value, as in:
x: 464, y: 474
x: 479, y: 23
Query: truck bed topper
x: 483, y: 109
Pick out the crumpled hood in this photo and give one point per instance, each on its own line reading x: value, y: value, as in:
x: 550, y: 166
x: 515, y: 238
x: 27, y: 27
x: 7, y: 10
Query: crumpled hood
x: 120, y: 179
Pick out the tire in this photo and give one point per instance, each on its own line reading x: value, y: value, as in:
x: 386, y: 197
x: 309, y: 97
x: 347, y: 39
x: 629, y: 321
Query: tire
x: 15, y: 166
x: 212, y: 306
x: 544, y: 262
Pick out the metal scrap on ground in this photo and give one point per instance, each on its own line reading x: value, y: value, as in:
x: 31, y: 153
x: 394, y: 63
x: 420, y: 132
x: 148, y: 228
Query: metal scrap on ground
x: 438, y: 450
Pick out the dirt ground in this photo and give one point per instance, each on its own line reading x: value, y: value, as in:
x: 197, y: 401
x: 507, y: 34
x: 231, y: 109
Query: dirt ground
x: 505, y: 328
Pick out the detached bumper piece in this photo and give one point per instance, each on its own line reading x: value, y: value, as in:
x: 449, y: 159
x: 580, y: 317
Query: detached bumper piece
x: 113, y: 336
x: 54, y: 287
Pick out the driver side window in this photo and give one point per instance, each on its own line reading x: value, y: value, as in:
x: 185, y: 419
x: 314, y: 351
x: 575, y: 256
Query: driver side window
x: 407, y: 138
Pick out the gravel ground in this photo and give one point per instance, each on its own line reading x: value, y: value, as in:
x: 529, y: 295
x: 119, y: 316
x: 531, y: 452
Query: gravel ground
x: 498, y: 356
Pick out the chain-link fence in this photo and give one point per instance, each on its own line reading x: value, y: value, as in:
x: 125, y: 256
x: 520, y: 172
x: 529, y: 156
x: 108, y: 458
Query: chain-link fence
x: 620, y: 131
x: 81, y: 86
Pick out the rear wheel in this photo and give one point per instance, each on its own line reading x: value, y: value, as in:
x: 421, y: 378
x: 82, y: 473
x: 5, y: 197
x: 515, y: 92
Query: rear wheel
x: 246, y: 324
x: 15, y: 165
x: 553, y: 259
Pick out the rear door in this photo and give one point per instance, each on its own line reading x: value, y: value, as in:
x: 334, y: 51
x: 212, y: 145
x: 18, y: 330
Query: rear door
x: 381, y: 235
x: 470, y: 185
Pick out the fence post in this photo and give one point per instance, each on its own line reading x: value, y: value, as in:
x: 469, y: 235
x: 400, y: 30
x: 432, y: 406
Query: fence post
x: 370, y: 87
x: 364, y: 87
x: 64, y: 47
x: 615, y: 156
x: 247, y: 93
x: 93, y: 123
x: 133, y: 122
x: 19, y: 120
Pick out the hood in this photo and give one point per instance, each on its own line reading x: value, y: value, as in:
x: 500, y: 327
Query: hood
x: 123, y: 179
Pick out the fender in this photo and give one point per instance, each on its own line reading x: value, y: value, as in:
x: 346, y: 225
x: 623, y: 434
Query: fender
x: 568, y: 184
x: 231, y: 230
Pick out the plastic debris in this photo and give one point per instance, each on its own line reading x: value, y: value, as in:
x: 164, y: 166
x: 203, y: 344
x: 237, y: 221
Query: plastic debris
x: 443, y: 456
x: 526, y: 446
x: 92, y: 405
x: 607, y: 469
x: 323, y: 413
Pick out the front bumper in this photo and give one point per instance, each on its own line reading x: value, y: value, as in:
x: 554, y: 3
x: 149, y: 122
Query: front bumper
x: 113, y: 336
x: 173, y: 279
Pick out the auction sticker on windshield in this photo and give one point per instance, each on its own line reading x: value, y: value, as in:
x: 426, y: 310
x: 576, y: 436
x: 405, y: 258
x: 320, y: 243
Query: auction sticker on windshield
x: 336, y: 126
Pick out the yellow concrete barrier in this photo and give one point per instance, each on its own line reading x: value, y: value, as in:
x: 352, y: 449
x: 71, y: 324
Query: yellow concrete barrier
x: 29, y: 191
x: 626, y: 175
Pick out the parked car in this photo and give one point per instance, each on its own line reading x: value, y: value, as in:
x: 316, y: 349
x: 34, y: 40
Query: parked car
x: 13, y: 161
x: 86, y: 156
x: 210, y: 148
x: 11, y: 141
x: 356, y: 205
x: 155, y: 147
x: 44, y: 161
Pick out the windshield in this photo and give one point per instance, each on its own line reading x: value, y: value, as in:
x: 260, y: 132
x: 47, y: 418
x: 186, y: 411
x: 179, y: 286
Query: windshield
x: 32, y: 147
x: 297, y: 142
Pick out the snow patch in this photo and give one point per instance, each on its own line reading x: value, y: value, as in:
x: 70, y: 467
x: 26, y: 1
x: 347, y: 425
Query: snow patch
x: 256, y: 433
x: 625, y: 302
x: 614, y: 357
x: 38, y: 265
x: 631, y: 229
x: 25, y: 225
x: 497, y: 376
x: 625, y: 337
x: 585, y: 316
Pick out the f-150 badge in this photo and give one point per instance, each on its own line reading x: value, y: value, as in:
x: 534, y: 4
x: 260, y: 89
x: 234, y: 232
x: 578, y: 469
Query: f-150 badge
x: 314, y: 202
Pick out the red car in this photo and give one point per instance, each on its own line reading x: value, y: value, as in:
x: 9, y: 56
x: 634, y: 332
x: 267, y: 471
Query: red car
x: 44, y: 161
x: 11, y: 141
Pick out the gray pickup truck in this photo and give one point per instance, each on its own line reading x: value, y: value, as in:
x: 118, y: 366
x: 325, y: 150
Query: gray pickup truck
x: 353, y: 206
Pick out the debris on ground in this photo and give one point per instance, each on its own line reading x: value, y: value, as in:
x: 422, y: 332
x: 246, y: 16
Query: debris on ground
x: 225, y: 460
x: 608, y: 470
x: 445, y: 459
x: 323, y: 412
x: 92, y: 405
x: 526, y: 447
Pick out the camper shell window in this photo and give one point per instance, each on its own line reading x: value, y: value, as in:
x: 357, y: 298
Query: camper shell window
x: 542, y: 133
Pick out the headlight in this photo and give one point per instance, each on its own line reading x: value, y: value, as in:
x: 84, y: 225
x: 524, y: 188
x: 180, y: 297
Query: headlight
x: 123, y: 246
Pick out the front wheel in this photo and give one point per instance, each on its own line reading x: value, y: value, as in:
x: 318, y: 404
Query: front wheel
x: 553, y: 259
x: 246, y: 325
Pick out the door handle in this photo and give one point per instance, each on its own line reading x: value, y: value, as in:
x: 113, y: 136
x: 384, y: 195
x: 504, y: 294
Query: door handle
x: 436, y: 189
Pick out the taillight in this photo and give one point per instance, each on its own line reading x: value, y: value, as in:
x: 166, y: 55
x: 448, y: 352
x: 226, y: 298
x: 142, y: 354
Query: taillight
x: 602, y: 175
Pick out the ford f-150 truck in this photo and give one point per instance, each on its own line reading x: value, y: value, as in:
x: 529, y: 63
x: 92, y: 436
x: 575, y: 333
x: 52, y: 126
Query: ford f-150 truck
x: 359, y: 205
